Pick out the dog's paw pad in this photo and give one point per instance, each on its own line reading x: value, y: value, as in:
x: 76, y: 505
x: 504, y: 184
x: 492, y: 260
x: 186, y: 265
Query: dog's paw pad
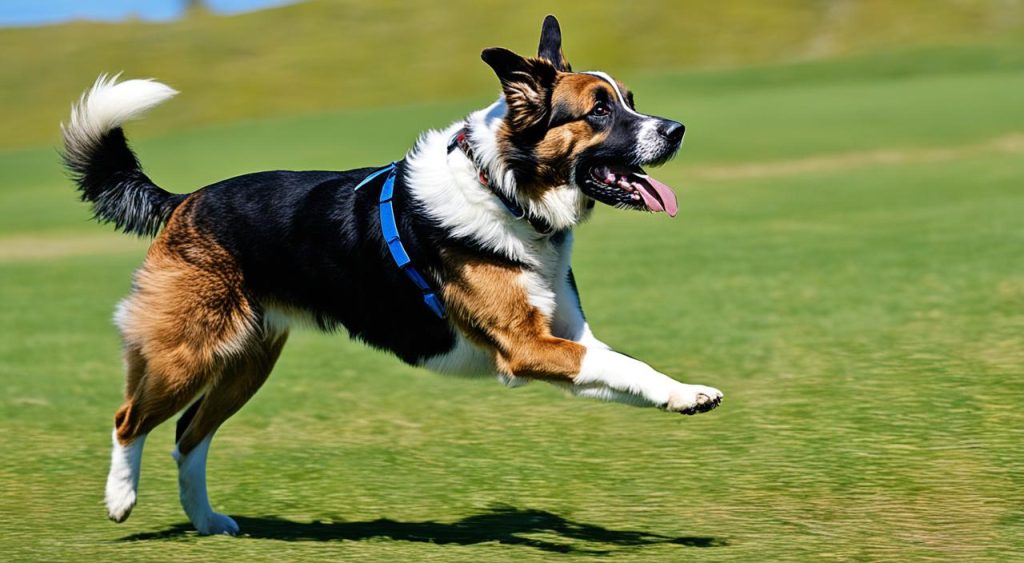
x: 704, y: 404
x: 694, y: 399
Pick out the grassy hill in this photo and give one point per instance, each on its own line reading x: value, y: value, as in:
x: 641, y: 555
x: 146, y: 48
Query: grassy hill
x: 321, y: 55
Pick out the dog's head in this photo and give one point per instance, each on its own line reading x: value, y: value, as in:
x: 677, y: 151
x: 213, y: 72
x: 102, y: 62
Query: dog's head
x: 579, y: 130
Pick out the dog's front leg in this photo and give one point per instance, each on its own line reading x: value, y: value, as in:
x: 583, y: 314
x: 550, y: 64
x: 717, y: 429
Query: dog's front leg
x: 601, y: 373
x: 609, y: 375
x: 490, y: 304
x: 606, y: 374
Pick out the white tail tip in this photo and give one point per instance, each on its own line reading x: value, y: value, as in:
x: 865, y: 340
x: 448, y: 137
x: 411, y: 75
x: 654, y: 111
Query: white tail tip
x: 108, y: 104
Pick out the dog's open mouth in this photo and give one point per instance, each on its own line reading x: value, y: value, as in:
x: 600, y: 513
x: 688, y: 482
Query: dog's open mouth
x: 629, y: 186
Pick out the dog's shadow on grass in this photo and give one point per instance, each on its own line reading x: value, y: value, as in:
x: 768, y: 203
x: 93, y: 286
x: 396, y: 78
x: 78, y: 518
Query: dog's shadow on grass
x: 504, y: 525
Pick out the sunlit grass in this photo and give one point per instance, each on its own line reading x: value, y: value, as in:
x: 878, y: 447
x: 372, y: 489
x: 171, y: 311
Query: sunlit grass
x: 865, y: 324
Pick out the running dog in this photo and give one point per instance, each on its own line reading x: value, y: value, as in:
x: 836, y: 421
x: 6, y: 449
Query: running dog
x: 455, y: 258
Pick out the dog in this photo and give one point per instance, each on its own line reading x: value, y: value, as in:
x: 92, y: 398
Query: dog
x: 455, y: 258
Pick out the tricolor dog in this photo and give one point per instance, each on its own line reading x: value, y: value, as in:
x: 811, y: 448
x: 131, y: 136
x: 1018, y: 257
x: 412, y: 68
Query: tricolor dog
x: 455, y: 258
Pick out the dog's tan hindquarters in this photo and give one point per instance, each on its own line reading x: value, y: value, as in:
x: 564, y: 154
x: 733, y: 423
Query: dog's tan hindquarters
x: 187, y: 327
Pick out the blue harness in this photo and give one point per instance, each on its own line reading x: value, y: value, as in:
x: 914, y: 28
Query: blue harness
x: 389, y: 230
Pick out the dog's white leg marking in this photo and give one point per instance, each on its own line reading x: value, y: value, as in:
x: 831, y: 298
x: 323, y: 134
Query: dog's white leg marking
x: 123, y: 479
x: 608, y: 375
x: 192, y: 492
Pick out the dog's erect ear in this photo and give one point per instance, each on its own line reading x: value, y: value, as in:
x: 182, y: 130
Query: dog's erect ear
x: 550, y: 47
x: 527, y: 84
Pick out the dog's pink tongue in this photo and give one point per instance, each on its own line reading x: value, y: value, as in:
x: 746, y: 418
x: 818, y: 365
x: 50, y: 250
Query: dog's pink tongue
x: 665, y: 200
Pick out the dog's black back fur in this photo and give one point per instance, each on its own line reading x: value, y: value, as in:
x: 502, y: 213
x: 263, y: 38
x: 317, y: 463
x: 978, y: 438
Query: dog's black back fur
x: 305, y: 241
x: 308, y: 241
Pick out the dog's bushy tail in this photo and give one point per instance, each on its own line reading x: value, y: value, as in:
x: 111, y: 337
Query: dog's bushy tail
x: 106, y: 170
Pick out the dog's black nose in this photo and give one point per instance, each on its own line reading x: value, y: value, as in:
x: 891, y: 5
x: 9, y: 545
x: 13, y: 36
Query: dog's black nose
x: 672, y: 130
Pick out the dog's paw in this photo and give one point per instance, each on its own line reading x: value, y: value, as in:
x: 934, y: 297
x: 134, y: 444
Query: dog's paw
x: 217, y: 524
x: 120, y: 500
x: 693, y: 399
x: 120, y: 508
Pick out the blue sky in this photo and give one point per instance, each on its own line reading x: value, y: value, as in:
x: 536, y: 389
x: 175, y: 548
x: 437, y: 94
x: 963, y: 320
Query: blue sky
x: 41, y: 12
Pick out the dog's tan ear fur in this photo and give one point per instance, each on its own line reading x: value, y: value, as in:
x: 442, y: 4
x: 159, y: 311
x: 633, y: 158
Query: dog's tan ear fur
x: 550, y: 47
x: 527, y: 84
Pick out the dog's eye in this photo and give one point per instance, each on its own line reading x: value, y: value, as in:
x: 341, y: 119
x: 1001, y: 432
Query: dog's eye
x: 600, y: 109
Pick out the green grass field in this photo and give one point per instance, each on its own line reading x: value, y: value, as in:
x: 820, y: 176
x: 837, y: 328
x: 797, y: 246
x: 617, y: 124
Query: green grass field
x: 847, y: 266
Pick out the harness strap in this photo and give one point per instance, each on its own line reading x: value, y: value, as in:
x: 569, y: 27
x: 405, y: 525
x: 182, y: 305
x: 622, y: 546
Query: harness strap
x: 389, y: 231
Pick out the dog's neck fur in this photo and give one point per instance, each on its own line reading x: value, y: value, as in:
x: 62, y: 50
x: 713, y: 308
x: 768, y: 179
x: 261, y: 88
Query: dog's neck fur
x: 447, y: 185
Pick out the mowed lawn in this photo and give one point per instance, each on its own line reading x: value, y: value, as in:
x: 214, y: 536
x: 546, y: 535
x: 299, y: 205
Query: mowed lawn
x: 847, y: 266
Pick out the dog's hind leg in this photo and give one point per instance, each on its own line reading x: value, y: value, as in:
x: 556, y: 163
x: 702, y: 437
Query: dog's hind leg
x: 151, y: 397
x: 239, y: 381
x: 185, y: 318
x: 125, y: 459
